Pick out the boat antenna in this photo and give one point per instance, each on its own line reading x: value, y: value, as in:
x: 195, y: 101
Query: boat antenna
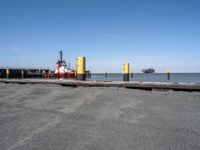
x: 61, y: 54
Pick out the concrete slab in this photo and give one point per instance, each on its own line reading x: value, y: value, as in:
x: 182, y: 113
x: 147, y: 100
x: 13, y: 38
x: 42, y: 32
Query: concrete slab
x: 46, y: 116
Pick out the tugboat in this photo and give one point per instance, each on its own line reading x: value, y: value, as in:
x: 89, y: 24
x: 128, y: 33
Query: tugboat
x: 148, y: 70
x: 62, y: 70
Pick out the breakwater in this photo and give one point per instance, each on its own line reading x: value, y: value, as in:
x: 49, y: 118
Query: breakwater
x: 13, y: 73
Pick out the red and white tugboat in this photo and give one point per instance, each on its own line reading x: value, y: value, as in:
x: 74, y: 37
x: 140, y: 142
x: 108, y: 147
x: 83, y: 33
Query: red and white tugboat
x: 62, y: 70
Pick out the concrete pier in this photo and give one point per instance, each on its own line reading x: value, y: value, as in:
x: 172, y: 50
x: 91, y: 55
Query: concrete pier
x: 131, y: 84
x: 52, y: 117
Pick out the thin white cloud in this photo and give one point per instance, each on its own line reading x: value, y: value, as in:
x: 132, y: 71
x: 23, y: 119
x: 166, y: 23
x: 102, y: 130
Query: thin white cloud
x: 14, y: 48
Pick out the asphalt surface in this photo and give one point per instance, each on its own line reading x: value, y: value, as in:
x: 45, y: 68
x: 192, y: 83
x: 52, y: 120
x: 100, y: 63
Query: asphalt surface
x: 53, y: 117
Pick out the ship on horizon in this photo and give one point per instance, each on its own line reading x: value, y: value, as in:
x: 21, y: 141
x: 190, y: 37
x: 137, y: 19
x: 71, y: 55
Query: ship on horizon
x: 148, y: 70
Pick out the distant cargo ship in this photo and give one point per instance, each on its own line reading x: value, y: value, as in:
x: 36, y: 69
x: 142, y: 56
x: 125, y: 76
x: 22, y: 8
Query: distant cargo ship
x: 148, y: 70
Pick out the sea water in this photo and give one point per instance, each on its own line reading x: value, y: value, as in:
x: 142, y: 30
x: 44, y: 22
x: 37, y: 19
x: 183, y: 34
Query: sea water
x: 150, y: 77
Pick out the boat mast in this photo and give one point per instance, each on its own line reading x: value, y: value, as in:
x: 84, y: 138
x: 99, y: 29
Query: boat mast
x: 61, y: 56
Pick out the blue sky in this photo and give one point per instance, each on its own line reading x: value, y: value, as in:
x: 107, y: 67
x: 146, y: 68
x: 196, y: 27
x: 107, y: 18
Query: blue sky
x: 146, y: 33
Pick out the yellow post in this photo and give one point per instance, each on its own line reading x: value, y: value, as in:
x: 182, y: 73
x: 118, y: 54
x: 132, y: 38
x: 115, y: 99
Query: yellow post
x: 7, y: 73
x: 168, y: 73
x: 126, y: 72
x: 80, y: 68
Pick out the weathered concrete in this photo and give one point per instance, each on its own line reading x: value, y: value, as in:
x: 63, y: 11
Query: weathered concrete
x: 46, y: 116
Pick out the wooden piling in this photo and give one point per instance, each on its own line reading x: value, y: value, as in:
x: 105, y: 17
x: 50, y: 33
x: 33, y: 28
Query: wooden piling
x: 168, y: 74
x: 132, y: 75
x: 7, y: 73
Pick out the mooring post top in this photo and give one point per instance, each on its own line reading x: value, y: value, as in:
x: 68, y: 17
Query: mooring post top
x: 168, y: 70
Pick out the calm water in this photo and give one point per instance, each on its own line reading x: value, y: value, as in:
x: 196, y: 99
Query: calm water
x: 155, y: 77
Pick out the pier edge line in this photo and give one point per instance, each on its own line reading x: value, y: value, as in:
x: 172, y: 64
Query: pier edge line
x: 131, y: 85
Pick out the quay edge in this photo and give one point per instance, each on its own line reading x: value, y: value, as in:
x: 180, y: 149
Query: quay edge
x: 131, y: 85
